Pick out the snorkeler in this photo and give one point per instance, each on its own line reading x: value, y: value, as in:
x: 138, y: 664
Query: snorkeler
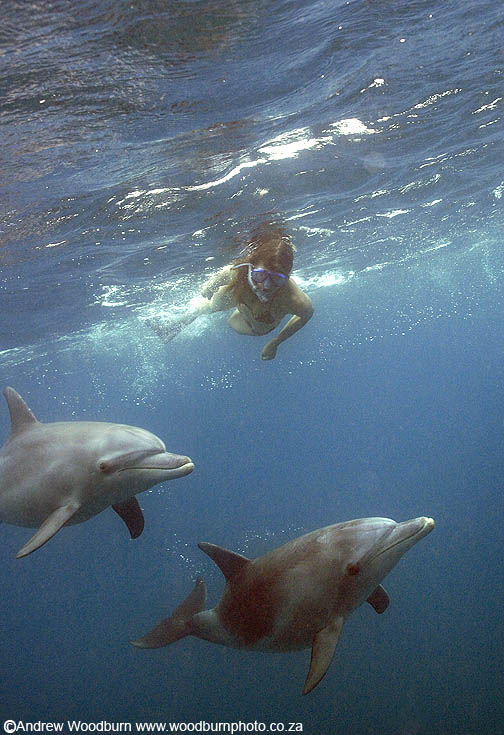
x: 259, y: 287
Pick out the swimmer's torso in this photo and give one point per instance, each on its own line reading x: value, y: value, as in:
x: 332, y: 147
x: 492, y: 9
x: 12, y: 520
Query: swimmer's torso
x: 262, y: 324
x: 251, y: 316
x: 255, y: 318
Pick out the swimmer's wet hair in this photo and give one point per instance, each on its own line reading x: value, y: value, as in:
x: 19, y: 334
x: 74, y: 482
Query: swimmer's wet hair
x: 265, y: 234
x: 270, y: 245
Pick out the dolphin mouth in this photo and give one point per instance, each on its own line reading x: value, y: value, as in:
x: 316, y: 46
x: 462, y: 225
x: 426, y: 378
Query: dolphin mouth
x: 425, y: 527
x: 163, y: 464
x: 169, y: 472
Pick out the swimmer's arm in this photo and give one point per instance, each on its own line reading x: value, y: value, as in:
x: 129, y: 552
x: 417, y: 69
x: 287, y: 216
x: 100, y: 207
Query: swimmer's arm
x: 221, y: 278
x: 215, y: 297
x: 303, y: 314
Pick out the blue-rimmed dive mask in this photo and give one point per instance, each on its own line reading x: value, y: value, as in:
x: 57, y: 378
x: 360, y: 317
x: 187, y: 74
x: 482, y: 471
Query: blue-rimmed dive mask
x: 270, y: 280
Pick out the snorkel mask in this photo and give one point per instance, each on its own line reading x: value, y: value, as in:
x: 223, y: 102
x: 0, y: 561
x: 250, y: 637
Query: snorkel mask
x: 269, y: 279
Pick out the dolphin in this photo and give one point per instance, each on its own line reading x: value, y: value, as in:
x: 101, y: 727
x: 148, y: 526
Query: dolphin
x: 297, y: 595
x: 61, y: 473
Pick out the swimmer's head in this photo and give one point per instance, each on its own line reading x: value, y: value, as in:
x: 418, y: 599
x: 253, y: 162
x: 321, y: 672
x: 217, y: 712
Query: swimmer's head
x: 267, y: 265
x: 262, y: 281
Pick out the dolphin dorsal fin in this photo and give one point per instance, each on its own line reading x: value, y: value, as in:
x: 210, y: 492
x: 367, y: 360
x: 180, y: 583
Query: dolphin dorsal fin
x: 20, y: 415
x: 229, y: 562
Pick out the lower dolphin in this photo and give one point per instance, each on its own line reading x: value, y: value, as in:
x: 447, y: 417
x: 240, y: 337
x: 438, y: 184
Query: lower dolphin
x: 297, y: 595
x: 66, y: 472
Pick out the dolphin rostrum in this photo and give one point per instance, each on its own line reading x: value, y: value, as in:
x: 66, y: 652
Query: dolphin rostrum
x: 65, y: 472
x: 297, y: 595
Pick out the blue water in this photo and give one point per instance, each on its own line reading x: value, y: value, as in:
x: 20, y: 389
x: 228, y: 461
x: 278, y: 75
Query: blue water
x: 141, y: 142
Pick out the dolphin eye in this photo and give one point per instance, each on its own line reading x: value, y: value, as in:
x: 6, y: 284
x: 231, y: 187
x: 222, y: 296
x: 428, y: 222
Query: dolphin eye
x: 353, y: 569
x: 104, y: 467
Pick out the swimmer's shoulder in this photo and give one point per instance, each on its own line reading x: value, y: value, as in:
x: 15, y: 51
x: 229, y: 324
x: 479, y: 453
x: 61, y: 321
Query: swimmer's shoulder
x: 298, y: 301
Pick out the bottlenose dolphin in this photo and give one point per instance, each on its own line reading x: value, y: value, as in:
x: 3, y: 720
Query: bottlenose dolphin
x: 65, y: 472
x: 297, y: 595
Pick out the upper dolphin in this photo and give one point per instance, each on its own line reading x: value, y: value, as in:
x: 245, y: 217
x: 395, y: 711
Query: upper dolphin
x: 297, y: 595
x: 65, y: 472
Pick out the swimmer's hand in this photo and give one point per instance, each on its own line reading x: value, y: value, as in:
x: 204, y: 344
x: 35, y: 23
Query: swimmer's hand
x: 270, y: 350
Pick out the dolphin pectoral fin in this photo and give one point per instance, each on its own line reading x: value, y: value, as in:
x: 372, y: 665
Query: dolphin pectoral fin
x: 229, y: 562
x: 132, y: 515
x: 378, y: 599
x: 323, y: 647
x: 177, y: 626
x: 50, y: 526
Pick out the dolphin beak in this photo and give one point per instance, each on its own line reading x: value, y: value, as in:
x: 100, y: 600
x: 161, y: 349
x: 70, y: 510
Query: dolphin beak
x: 168, y: 466
x: 420, y: 526
x: 405, y: 535
x: 409, y: 532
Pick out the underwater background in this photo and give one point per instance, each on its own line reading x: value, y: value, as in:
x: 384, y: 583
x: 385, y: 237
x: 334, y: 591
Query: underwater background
x: 141, y: 142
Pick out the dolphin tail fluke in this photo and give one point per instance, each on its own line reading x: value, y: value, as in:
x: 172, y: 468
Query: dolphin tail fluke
x: 323, y: 647
x: 177, y: 626
x: 50, y: 526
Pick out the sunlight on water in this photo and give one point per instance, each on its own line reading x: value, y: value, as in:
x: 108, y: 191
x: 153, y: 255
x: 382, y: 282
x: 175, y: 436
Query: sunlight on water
x: 288, y: 145
x: 352, y: 126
